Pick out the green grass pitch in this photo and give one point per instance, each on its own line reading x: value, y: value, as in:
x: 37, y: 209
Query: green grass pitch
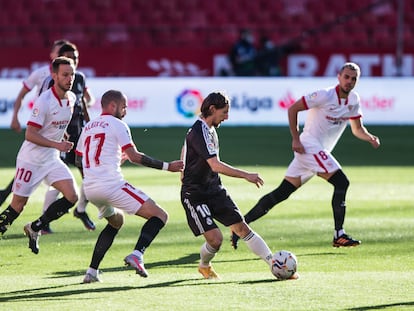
x: 378, y: 275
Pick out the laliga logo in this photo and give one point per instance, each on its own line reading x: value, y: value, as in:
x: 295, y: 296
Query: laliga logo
x: 189, y: 103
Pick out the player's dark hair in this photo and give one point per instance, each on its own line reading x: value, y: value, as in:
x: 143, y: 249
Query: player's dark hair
x: 111, y: 95
x: 59, y: 42
x: 217, y: 99
x: 67, y: 47
x: 61, y: 60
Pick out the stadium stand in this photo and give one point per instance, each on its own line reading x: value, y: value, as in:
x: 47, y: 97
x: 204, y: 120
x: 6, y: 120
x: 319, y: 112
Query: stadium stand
x: 183, y: 23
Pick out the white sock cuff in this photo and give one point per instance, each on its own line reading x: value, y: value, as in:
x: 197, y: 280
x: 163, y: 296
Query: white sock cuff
x: 92, y: 271
x: 82, y: 202
x: 137, y: 253
x: 249, y: 236
x: 338, y: 233
x: 210, y: 249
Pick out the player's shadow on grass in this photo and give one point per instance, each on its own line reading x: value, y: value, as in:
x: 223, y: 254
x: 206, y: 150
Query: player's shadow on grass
x: 384, y: 306
x: 321, y: 254
x: 182, y: 261
x: 53, y: 293
x: 270, y: 280
x: 13, y: 236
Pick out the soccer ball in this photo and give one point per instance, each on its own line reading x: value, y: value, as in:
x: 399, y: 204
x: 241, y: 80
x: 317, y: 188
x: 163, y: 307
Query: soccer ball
x: 284, y: 265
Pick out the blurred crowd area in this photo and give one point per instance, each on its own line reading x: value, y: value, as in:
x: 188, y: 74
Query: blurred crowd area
x: 324, y: 24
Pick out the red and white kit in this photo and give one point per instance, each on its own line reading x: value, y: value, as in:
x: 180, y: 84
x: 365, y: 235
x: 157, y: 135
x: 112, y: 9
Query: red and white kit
x: 101, y: 145
x: 36, y: 163
x: 327, y: 118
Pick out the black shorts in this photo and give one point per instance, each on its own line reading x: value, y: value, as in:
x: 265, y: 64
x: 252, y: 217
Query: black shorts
x: 69, y: 157
x: 201, y: 211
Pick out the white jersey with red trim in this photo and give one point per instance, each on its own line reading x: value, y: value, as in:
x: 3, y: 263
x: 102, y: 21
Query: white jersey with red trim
x: 101, y: 145
x: 51, y: 115
x: 36, y: 78
x: 327, y: 118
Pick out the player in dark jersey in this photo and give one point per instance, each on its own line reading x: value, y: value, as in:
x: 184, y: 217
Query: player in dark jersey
x: 202, y: 194
x: 79, y: 118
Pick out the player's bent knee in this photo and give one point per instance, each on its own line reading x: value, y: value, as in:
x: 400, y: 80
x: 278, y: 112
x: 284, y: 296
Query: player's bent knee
x: 159, y: 213
x: 73, y: 198
x: 214, y: 238
x: 339, y: 180
x: 151, y: 209
x: 163, y: 215
x: 116, y: 220
x: 215, y: 242
x: 242, y: 229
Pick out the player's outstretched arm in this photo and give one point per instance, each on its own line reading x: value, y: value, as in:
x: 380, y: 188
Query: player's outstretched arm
x: 140, y: 158
x: 359, y: 131
x: 175, y: 166
x: 228, y: 170
x: 293, y: 111
x: 15, y: 123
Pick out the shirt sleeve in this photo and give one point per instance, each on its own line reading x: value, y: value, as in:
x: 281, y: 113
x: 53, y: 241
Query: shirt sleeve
x: 123, y: 135
x: 39, y: 113
x: 315, y: 99
x: 204, y: 144
x: 31, y: 81
x: 356, y: 104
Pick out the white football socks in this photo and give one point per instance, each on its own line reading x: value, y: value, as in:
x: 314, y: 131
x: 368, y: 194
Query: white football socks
x: 92, y: 271
x: 338, y: 233
x: 81, y: 207
x: 207, y: 253
x: 258, y: 246
x: 50, y: 197
x: 138, y: 253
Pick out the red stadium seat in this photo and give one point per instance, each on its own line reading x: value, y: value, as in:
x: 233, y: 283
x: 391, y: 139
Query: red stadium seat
x: 215, y: 22
x: 384, y: 39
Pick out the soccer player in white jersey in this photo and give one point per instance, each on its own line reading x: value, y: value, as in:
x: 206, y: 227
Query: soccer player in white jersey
x: 204, y: 198
x: 38, y: 158
x: 34, y: 80
x: 104, y: 144
x: 80, y: 116
x: 329, y: 111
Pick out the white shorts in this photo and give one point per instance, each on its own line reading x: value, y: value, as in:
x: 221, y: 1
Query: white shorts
x: 124, y: 197
x: 29, y: 176
x: 308, y: 165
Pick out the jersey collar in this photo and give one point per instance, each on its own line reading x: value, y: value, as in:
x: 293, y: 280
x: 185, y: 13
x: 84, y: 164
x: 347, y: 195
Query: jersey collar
x: 56, y: 95
x: 58, y: 98
x: 339, y: 99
